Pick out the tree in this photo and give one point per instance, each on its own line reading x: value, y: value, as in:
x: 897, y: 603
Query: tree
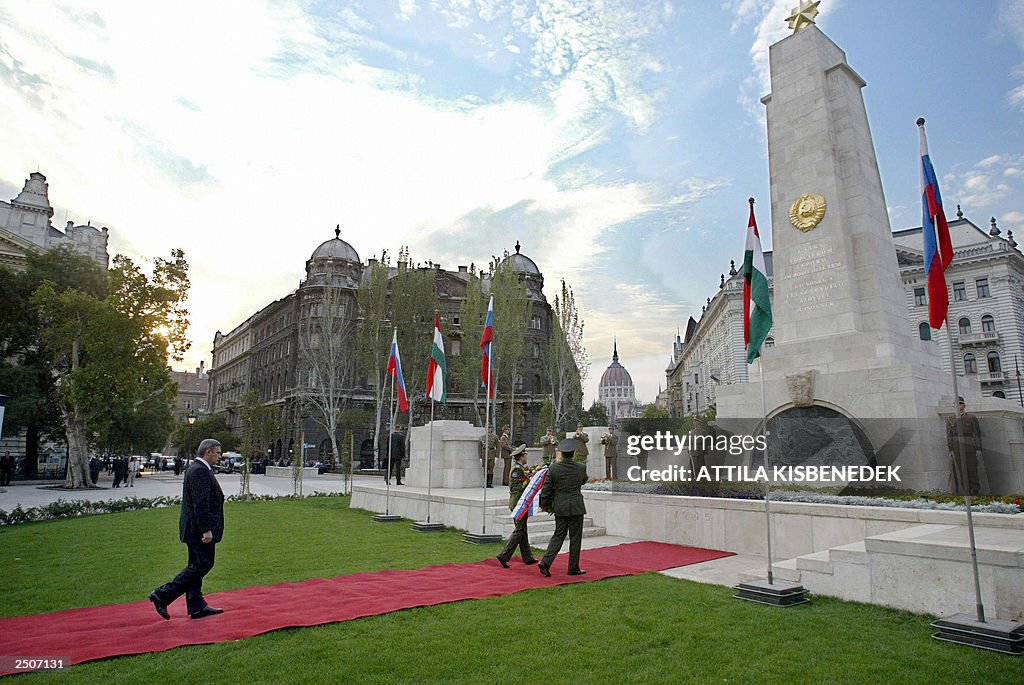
x: 25, y: 371
x: 413, y: 300
x: 374, y: 333
x: 214, y: 426
x: 511, y: 312
x: 652, y: 411
x: 109, y: 353
x: 547, y: 419
x: 327, y: 377
x: 466, y: 365
x: 597, y: 415
x: 567, y: 363
x: 261, y: 424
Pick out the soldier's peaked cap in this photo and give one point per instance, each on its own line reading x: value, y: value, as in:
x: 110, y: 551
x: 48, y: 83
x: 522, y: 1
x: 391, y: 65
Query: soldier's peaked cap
x: 568, y: 445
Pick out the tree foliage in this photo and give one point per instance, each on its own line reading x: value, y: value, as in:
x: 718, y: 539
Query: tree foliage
x: 213, y: 426
x: 108, y: 348
x: 374, y: 334
x: 567, y: 362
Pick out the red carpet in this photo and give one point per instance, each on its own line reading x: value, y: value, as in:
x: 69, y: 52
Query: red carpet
x: 79, y: 635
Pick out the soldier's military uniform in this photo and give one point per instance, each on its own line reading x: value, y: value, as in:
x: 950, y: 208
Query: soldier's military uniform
x: 971, y: 428
x: 505, y: 447
x: 491, y: 451
x: 520, y: 538
x: 581, y: 438
x: 561, y: 496
x: 610, y: 441
x: 548, y: 442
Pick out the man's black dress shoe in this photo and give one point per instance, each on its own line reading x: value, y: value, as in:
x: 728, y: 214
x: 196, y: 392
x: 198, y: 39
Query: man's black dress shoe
x: 206, y: 611
x: 530, y: 562
x: 544, y: 571
x: 502, y: 562
x: 577, y: 573
x: 160, y: 607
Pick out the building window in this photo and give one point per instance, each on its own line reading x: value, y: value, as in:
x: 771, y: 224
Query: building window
x: 970, y: 364
x: 924, y: 331
x: 1000, y: 394
x: 988, y: 324
x: 965, y: 326
x: 769, y: 341
x: 982, y: 284
x: 696, y: 380
x: 919, y: 297
x: 456, y: 347
x: 993, y: 362
x: 455, y: 320
x: 959, y: 291
x: 536, y: 349
x: 188, y: 404
x: 535, y: 323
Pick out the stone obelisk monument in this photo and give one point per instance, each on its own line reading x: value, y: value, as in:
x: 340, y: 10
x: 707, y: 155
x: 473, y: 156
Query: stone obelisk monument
x: 842, y: 339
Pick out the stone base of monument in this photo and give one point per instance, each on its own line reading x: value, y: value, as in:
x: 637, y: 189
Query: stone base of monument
x: 776, y: 594
x: 995, y: 635
x: 482, y: 538
x: 386, y: 518
x: 425, y: 527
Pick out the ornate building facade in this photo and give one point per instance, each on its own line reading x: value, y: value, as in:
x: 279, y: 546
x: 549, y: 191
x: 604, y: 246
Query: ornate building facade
x: 266, y: 352
x: 986, y: 311
x: 616, y: 391
x: 25, y: 227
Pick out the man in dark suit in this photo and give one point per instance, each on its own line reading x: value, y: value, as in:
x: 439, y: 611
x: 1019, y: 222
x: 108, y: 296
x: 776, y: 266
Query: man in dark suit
x: 396, y: 450
x: 561, y: 496
x: 6, y: 468
x: 201, y: 527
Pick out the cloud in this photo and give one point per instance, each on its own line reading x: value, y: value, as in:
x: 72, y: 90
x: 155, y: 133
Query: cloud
x: 407, y: 9
x: 771, y: 27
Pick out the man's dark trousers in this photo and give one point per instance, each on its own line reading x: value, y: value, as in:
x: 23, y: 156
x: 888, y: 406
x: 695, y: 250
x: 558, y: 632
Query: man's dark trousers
x: 190, y: 581
x: 573, y: 525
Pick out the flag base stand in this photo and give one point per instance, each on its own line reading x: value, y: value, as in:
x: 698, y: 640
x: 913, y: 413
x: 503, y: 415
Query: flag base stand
x: 424, y: 527
x: 386, y: 518
x: 775, y: 594
x: 482, y: 538
x: 995, y: 635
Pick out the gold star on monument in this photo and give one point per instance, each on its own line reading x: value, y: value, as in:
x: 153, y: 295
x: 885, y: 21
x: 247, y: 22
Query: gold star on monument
x: 803, y: 14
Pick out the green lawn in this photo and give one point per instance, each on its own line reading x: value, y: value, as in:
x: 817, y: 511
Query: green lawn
x: 640, y: 629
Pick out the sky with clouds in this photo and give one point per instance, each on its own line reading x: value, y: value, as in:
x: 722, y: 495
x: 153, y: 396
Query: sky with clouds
x: 616, y: 140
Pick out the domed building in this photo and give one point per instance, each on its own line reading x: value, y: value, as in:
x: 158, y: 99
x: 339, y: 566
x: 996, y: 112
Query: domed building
x: 279, y: 351
x: 616, y: 391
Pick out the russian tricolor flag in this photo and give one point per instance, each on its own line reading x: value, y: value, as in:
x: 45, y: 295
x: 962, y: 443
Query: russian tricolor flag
x: 486, y: 379
x: 395, y: 369
x: 938, y: 247
x: 528, y: 503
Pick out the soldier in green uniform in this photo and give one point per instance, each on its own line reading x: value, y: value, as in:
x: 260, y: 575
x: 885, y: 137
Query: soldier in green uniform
x: 581, y: 439
x: 970, y: 427
x: 505, y: 448
x: 548, y: 442
x: 489, y: 447
x: 610, y: 442
x: 561, y: 495
x: 520, y: 537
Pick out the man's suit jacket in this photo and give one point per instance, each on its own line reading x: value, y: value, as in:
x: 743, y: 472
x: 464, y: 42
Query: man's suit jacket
x: 397, y: 448
x: 202, y: 504
x: 561, y: 492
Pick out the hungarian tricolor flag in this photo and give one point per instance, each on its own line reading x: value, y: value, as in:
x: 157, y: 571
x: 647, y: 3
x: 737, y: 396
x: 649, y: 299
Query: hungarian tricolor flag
x: 757, y: 307
x: 395, y: 369
x: 436, y: 369
x: 938, y: 247
x: 486, y: 377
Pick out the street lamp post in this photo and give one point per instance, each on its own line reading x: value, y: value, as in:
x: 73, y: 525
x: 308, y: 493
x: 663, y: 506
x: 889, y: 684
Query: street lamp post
x: 191, y: 418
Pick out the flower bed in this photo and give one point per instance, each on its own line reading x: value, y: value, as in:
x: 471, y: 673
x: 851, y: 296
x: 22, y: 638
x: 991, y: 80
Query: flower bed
x: 62, y: 508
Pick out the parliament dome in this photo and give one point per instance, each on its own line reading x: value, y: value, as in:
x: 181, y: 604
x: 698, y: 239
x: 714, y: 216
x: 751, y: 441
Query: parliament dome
x: 615, y: 375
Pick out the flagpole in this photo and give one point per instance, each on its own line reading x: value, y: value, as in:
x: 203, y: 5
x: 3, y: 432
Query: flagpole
x: 487, y: 437
x: 391, y: 428
x: 767, y: 492
x: 980, y: 608
x: 430, y: 456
